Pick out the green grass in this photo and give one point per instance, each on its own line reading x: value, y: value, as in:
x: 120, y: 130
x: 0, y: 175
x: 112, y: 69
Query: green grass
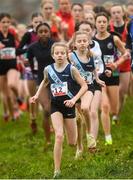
x: 22, y: 155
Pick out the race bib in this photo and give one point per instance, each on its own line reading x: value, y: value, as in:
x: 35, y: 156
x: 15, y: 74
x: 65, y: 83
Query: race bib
x: 108, y: 59
x: 88, y: 77
x: 60, y: 89
x: 98, y: 64
x: 7, y: 53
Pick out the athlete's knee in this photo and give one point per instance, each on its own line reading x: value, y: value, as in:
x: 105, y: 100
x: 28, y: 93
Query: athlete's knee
x: 105, y: 108
x: 123, y: 91
x: 93, y: 115
x: 11, y: 85
x: 59, y: 137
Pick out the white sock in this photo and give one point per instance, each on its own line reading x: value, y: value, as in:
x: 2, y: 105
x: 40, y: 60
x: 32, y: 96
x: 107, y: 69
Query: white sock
x: 108, y: 137
x: 114, y: 117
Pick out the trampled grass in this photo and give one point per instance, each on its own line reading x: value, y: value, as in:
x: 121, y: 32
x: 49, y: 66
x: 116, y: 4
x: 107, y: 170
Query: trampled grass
x: 22, y: 155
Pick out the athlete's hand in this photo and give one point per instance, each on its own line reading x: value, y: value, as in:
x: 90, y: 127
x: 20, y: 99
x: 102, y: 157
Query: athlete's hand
x: 108, y: 72
x: 69, y: 103
x: 127, y: 55
x: 33, y: 99
x: 101, y: 83
x: 64, y: 26
x: 112, y: 66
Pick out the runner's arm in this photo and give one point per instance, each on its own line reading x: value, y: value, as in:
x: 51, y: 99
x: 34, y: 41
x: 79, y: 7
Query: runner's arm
x: 80, y: 81
x: 124, y: 52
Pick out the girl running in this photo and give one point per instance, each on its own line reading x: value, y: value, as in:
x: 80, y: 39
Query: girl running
x: 62, y: 78
x: 30, y: 76
x: 9, y: 76
x: 110, y: 93
x: 83, y: 60
x: 95, y: 49
x: 40, y: 52
x: 119, y: 25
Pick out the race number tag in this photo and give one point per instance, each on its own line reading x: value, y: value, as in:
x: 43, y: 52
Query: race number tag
x: 60, y: 89
x: 7, y: 53
x: 88, y: 77
x: 99, y: 65
x: 108, y: 59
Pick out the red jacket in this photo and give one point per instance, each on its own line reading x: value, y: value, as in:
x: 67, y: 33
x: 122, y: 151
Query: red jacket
x: 68, y: 19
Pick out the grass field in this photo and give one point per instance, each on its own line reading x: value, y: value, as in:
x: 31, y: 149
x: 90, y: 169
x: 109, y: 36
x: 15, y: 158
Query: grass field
x: 22, y: 155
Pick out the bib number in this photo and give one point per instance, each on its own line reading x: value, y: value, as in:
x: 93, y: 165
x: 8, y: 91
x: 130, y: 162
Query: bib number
x: 108, y: 59
x: 99, y: 65
x: 59, y: 89
x: 7, y: 53
x: 88, y: 77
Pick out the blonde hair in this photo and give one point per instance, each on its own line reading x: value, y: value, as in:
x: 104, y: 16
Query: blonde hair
x: 62, y: 44
x: 89, y: 53
x: 89, y: 3
x: 46, y: 1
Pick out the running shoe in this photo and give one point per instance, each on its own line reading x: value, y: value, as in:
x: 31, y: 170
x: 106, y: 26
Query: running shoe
x: 78, y: 154
x: 23, y: 106
x: 115, y: 120
x: 16, y: 114
x: 57, y: 174
x: 108, y: 142
x: 91, y: 142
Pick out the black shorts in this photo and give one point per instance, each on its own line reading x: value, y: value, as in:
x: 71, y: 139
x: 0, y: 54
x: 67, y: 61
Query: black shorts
x: 91, y: 88
x: 97, y: 87
x: 6, y: 65
x: 65, y: 111
x: 110, y: 81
